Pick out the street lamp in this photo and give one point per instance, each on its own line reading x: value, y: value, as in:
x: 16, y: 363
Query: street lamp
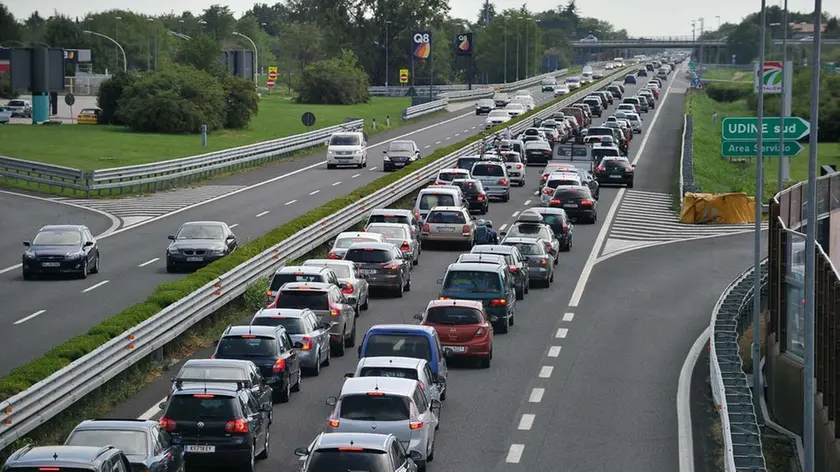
x: 262, y: 43
x: 536, y: 27
x: 125, y: 61
x: 256, y: 55
x: 505, y: 61
x: 179, y: 35
x: 387, y: 51
x: 117, y: 34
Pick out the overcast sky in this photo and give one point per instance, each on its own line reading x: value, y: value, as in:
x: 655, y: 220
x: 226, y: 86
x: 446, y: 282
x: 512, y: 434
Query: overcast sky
x: 638, y: 17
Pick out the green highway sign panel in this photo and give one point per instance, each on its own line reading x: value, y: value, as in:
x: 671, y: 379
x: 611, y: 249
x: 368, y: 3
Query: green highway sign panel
x: 750, y: 148
x: 746, y: 128
x: 692, y: 65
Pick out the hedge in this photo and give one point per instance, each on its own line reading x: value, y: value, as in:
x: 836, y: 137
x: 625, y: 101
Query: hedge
x: 165, y: 294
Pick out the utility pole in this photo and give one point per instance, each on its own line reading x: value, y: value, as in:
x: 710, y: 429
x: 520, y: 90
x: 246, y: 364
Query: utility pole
x: 759, y: 201
x: 526, y: 49
x: 505, y: 61
x: 117, y: 35
x: 517, y: 49
x: 701, y: 41
x: 784, y: 104
x: 719, y: 49
x: 387, y: 51
x: 693, y: 40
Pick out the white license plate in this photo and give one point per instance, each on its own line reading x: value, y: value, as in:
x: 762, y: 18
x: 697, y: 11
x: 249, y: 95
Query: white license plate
x: 195, y: 259
x: 615, y: 176
x: 446, y: 229
x: 456, y: 348
x: 200, y: 449
x: 570, y: 205
x: 367, y: 271
x: 399, y: 164
x: 50, y: 264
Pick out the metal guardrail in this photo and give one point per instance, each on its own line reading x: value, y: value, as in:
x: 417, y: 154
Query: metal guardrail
x: 156, y: 175
x: 687, y: 182
x: 468, y: 94
x: 730, y: 388
x: 464, y: 94
x: 33, y: 407
x: 424, y: 108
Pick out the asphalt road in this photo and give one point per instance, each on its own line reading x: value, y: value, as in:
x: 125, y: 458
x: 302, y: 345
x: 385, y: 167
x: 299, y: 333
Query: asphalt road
x: 481, y: 417
x: 132, y: 259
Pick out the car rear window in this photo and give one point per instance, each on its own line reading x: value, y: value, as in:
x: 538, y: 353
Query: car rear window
x: 292, y: 325
x: 467, y: 162
x: 393, y: 372
x: 247, y: 346
x: 488, y: 170
x: 449, y: 176
x: 510, y: 157
x: 540, y: 147
x: 453, y: 315
x: 390, y: 232
x: 331, y: 460
x: 190, y: 408
x: 375, y: 408
x: 486, y: 250
x: 344, y: 243
x: 342, y: 271
x: 369, y: 255
x: 599, y: 132
x: 300, y: 299
x: 599, y: 153
x: 431, y: 200
x: 129, y: 442
x: 212, y: 373
x: 468, y: 186
x: 389, y: 219
x: 398, y: 345
x: 572, y: 193
x: 446, y: 217
x: 559, y: 182
x: 279, y: 279
x: 527, y: 249
x: 612, y: 163
x: 472, y: 281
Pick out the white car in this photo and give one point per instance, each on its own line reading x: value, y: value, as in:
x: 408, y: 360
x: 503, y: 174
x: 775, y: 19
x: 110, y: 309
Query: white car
x: 561, y: 89
x: 347, y: 148
x: 527, y: 102
x: 496, y: 117
x: 586, y: 79
x: 515, y: 109
x: 573, y: 83
x: 522, y: 93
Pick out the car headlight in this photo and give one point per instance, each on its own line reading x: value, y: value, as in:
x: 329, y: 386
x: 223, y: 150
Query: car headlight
x: 29, y: 255
x: 173, y: 251
x: 75, y: 255
x: 218, y: 252
x: 386, y: 159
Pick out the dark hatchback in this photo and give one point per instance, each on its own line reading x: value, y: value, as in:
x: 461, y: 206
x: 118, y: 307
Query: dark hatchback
x: 615, y: 171
x: 641, y: 73
x: 538, y: 152
x: 66, y: 459
x: 199, y: 243
x: 474, y: 194
x: 577, y: 201
x: 60, y: 249
x: 560, y: 223
x: 144, y: 443
x: 467, y: 162
x: 383, y: 265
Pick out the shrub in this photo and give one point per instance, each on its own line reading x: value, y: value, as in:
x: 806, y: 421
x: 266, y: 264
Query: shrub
x: 109, y: 95
x: 726, y: 93
x: 241, y: 102
x: 336, y: 81
x: 6, y: 86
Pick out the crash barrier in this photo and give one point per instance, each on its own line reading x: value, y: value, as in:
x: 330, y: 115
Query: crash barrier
x: 687, y: 182
x: 717, y: 208
x: 445, y: 90
x: 425, y: 109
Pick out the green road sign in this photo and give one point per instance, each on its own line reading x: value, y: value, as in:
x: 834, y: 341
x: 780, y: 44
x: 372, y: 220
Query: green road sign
x: 830, y: 67
x: 692, y: 65
x: 746, y: 128
x: 750, y: 148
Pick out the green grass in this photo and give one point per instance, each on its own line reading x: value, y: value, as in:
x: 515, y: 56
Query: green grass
x: 99, y: 147
x: 715, y: 174
x: 728, y: 74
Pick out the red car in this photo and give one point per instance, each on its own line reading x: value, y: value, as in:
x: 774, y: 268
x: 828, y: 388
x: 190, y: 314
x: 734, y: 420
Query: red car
x: 463, y: 327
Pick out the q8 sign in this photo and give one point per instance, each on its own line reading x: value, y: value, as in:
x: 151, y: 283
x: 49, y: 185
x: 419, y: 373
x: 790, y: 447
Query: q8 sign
x: 421, y: 44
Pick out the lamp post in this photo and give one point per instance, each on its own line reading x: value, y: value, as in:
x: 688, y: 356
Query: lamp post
x: 693, y: 39
x: 505, y: 60
x: 517, y: 49
x: 387, y: 51
x: 256, y: 53
x: 117, y: 35
x: 125, y: 61
x: 536, y: 28
x: 526, y: 49
x: 759, y: 199
x: 719, y: 49
x: 784, y: 105
x: 702, y: 30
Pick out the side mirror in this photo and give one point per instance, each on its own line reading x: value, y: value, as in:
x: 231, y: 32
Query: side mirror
x: 352, y: 301
x: 171, y: 237
x: 298, y: 345
x: 302, y: 452
x: 230, y: 237
x: 349, y: 375
x: 27, y: 244
x: 162, y: 405
x: 327, y: 142
x: 331, y: 401
x: 415, y: 456
x: 385, y: 152
x: 418, y: 317
x: 632, y: 165
x: 503, y: 233
x: 88, y: 244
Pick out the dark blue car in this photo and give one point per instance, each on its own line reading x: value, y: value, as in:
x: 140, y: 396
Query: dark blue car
x: 630, y: 79
x: 145, y: 444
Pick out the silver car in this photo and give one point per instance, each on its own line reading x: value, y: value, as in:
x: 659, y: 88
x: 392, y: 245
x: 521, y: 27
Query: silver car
x: 448, y: 224
x: 5, y: 115
x: 344, y: 240
x: 494, y: 179
x: 387, y: 406
x: 20, y: 108
x: 303, y: 327
x: 351, y: 282
x: 401, y: 368
x: 399, y: 235
x: 635, y: 122
x: 540, y: 262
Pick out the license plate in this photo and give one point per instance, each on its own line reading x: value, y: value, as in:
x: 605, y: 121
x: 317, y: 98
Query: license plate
x: 200, y: 449
x: 615, y: 176
x: 570, y: 205
x: 50, y: 264
x: 195, y: 259
x: 456, y: 348
x: 399, y: 164
x: 367, y: 271
x: 446, y: 229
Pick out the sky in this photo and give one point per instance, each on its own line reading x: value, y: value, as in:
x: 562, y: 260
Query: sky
x: 649, y: 18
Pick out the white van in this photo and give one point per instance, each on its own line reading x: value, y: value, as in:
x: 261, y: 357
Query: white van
x: 439, y: 195
x: 347, y: 148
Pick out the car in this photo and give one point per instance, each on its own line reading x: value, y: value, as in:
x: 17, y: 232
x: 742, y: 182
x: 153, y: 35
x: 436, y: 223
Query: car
x: 485, y: 105
x: 615, y: 170
x: 328, y: 303
x: 489, y: 284
x: 501, y: 99
x: 398, y: 234
x: 475, y: 195
x: 347, y: 148
x: 5, y: 115
x: 344, y: 240
x: 540, y: 262
x: 463, y: 327
x: 552, y: 167
x: 538, y: 152
x: 466, y: 162
x: 218, y: 425
x: 441, y: 195
x: 446, y: 176
x: 527, y: 101
x: 350, y: 280
x: 198, y: 243
x: 561, y: 89
x: 577, y: 201
x: 399, y: 154
x: 641, y: 73
x: 310, y: 337
x: 145, y: 444
x: 61, y: 249
x: 586, y: 78
x: 647, y: 98
x: 402, y: 368
x: 558, y: 179
x: 577, y: 114
x: 595, y: 105
x: 384, y: 265
x: 388, y: 405
x: 67, y: 458
x: 394, y: 215
x: 615, y: 91
x: 635, y: 122
x: 20, y: 108
x: 548, y: 84
x: 288, y: 274
x: 606, y: 95
x: 597, y: 75
x: 494, y: 178
x: 515, y: 109
x: 357, y: 451
x: 573, y: 83
x: 602, y: 151
x: 448, y: 224
x: 234, y: 372
x: 517, y: 267
x: 530, y: 224
x: 516, y: 167
x: 603, y: 102
x: 641, y: 102
x: 649, y: 67
x: 627, y: 107
x: 271, y: 349
x: 489, y: 258
x: 560, y: 223
x: 497, y: 117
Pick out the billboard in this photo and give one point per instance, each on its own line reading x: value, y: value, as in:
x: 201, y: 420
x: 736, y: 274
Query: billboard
x: 772, y: 75
x: 464, y: 44
x: 421, y: 44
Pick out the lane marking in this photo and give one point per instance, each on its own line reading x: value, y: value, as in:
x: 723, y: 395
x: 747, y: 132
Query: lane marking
x: 262, y: 213
x: 354, y: 176
x: 554, y: 351
x: 290, y: 202
x: 515, y: 214
x: 233, y: 225
x: 561, y: 333
x: 514, y: 454
x: 536, y: 395
x: 527, y: 202
x: 314, y: 192
x: 467, y: 131
x: 526, y: 422
x: 372, y: 168
x: 437, y: 142
x: 336, y: 183
x: 684, y: 430
x: 448, y: 138
x: 568, y: 316
x: 545, y: 371
x: 27, y: 318
x: 427, y: 146
x: 502, y: 228
x: 456, y: 135
x: 96, y: 286
x: 151, y: 412
x: 151, y: 261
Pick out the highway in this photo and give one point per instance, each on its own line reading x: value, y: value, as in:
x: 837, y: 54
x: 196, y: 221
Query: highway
x: 567, y: 383
x: 42, y: 313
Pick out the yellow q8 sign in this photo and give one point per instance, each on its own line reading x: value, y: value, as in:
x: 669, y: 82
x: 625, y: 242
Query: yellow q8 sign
x: 403, y: 76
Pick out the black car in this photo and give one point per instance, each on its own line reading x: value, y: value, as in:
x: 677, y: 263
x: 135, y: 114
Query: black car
x: 484, y: 106
x: 642, y: 73
x: 560, y: 223
x: 595, y: 105
x: 217, y: 425
x: 474, y: 193
x: 651, y: 102
x: 615, y: 170
x: 145, y: 444
x: 615, y: 91
x: 67, y: 458
x: 199, y: 243
x: 577, y: 201
x: 538, y: 152
x: 60, y: 249
x: 649, y: 67
x: 467, y: 162
x: 227, y: 371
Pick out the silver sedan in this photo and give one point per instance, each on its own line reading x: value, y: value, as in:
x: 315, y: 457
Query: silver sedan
x: 304, y: 328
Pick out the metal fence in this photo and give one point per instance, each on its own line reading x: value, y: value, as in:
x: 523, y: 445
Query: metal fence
x: 161, y: 175
x: 425, y: 109
x: 29, y: 409
x: 463, y: 93
x: 84, y: 84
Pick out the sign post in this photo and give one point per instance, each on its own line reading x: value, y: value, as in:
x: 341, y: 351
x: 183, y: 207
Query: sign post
x: 403, y: 76
x: 421, y: 48
x: 70, y: 100
x: 464, y: 48
x: 272, y: 76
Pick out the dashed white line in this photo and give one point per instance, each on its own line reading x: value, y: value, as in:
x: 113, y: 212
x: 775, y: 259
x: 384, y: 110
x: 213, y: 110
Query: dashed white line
x: 562, y: 332
x: 456, y: 135
x: 151, y: 261
x: 427, y: 146
x: 336, y: 183
x: 314, y: 192
x: 526, y: 422
x: 568, y: 316
x: 262, y: 213
x: 514, y: 454
x: 502, y: 228
x: 437, y: 142
x: 233, y: 225
x: 94, y: 287
x: 545, y: 371
x: 449, y: 137
x: 290, y: 202
x: 474, y: 127
x: 27, y: 318
x: 354, y: 176
x: 372, y: 168
x: 467, y: 131
x: 527, y: 202
x: 515, y: 214
x: 536, y: 395
x: 554, y: 351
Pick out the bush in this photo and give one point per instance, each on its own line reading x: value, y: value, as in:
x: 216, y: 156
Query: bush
x: 241, y: 102
x: 336, y: 81
x: 109, y: 95
x: 6, y: 86
x: 726, y: 93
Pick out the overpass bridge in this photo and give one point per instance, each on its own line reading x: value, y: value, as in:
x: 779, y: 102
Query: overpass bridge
x: 677, y: 42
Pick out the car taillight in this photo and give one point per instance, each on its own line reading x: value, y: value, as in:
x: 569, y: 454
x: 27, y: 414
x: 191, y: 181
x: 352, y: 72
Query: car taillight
x: 555, y: 201
x: 307, y: 344
x: 347, y: 289
x: 279, y: 366
x: 544, y: 261
x: 601, y: 168
x: 465, y: 229
x: 238, y: 425
x: 414, y: 422
x: 390, y: 266
x: 168, y: 424
x: 547, y: 191
x: 405, y: 246
x: 586, y: 203
x: 427, y: 228
x: 480, y: 331
x: 480, y: 197
x: 503, y: 181
x: 498, y: 302
x: 513, y: 268
x: 518, y: 166
x: 333, y: 255
x: 565, y: 227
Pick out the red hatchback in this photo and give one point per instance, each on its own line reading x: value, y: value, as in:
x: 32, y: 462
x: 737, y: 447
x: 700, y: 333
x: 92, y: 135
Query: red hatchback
x: 463, y: 327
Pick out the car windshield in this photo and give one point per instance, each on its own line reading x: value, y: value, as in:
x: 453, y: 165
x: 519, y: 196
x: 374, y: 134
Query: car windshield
x: 213, y: 232
x: 485, y: 103
x: 58, y: 238
x: 368, y: 255
x: 129, y: 442
x: 283, y: 278
x: 375, y: 408
x: 247, y: 345
x: 599, y: 132
x: 446, y: 217
x: 514, y: 106
x: 347, y: 241
x: 431, y: 200
x: 472, y: 281
x: 212, y: 373
x: 300, y: 299
x: 191, y: 408
x: 488, y: 170
x: 345, y: 140
x: 398, y: 345
x: 453, y: 315
x: 390, y: 232
x: 400, y: 147
x: 292, y: 325
x: 333, y: 460
x: 527, y: 249
x: 394, y: 372
x: 571, y: 193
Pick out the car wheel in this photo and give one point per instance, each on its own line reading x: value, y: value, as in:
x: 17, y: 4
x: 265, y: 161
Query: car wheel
x: 284, y: 395
x: 527, y: 284
x: 630, y: 185
x: 520, y: 293
x: 95, y: 269
x: 316, y: 371
x: 264, y: 454
x: 84, y: 272
x: 408, y: 284
x: 485, y: 362
x: 339, y: 351
x: 366, y: 304
x: 351, y: 341
x: 503, y: 328
x: 329, y: 355
x: 296, y: 386
x: 551, y: 279
x: 249, y: 466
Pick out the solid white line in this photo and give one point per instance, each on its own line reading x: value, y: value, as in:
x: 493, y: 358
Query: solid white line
x: 233, y: 225
x: 290, y: 202
x: 314, y: 192
x: 685, y: 435
x: 372, y: 169
x: 527, y: 202
x: 514, y: 454
x: 94, y: 287
x: 526, y: 422
x: 151, y: 412
x: 554, y: 351
x: 152, y: 261
x: 561, y: 333
x: 336, y: 183
x: 262, y: 213
x: 536, y: 395
x: 354, y: 176
x: 568, y: 316
x: 27, y: 318
x: 545, y: 371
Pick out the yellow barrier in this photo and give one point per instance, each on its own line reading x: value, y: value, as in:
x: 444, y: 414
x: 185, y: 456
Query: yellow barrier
x: 720, y: 208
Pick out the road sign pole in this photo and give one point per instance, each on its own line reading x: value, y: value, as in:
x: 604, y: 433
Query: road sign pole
x: 759, y: 201
x: 784, y: 105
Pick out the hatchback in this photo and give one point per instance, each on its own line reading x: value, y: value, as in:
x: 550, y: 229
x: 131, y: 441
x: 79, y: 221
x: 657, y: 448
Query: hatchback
x: 448, y: 224
x: 446, y: 176
x: 288, y: 274
x: 61, y: 249
x: 538, y: 152
x: 431, y: 197
x: 384, y: 266
x: 577, y: 201
x: 515, y: 167
x: 399, y: 235
x: 233, y: 372
x: 463, y: 327
x: 399, y: 154
x: 402, y: 368
x: 517, y: 266
x: 560, y: 223
x: 540, y: 262
x: 68, y: 458
x: 475, y: 195
x: 344, y: 240
x: 615, y: 170
x: 350, y: 280
x: 635, y: 122
x: 558, y: 179
x: 357, y: 451
x: 145, y: 444
x: 394, y: 215
x: 310, y: 336
x: 494, y: 179
x: 531, y: 225
x: 489, y: 284
x: 553, y: 167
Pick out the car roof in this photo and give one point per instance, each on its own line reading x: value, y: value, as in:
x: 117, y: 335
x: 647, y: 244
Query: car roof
x: 478, y: 257
x: 356, y: 234
x: 371, y: 245
x: 57, y: 455
x: 117, y: 424
x: 245, y: 330
x: 491, y: 249
x: 447, y: 208
x: 388, y: 225
x: 347, y: 133
x: 313, y: 286
x: 615, y: 158
x: 395, y: 327
x: 386, y: 385
x: 473, y: 266
x: 403, y: 141
x: 376, y: 442
x: 284, y: 312
x: 391, y: 211
x: 62, y: 228
x: 300, y: 268
x: 440, y: 188
x: 328, y: 262
x: 518, y: 239
x: 389, y: 361
x: 455, y: 302
x: 217, y: 362
x: 217, y: 223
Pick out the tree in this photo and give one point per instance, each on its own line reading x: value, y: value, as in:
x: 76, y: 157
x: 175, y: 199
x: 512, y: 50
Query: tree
x: 9, y: 27
x: 109, y: 95
x: 486, y: 14
x: 62, y: 32
x: 34, y: 27
x: 743, y: 42
x: 202, y: 53
x: 219, y: 21
x: 302, y: 43
x: 241, y: 102
x: 336, y: 81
